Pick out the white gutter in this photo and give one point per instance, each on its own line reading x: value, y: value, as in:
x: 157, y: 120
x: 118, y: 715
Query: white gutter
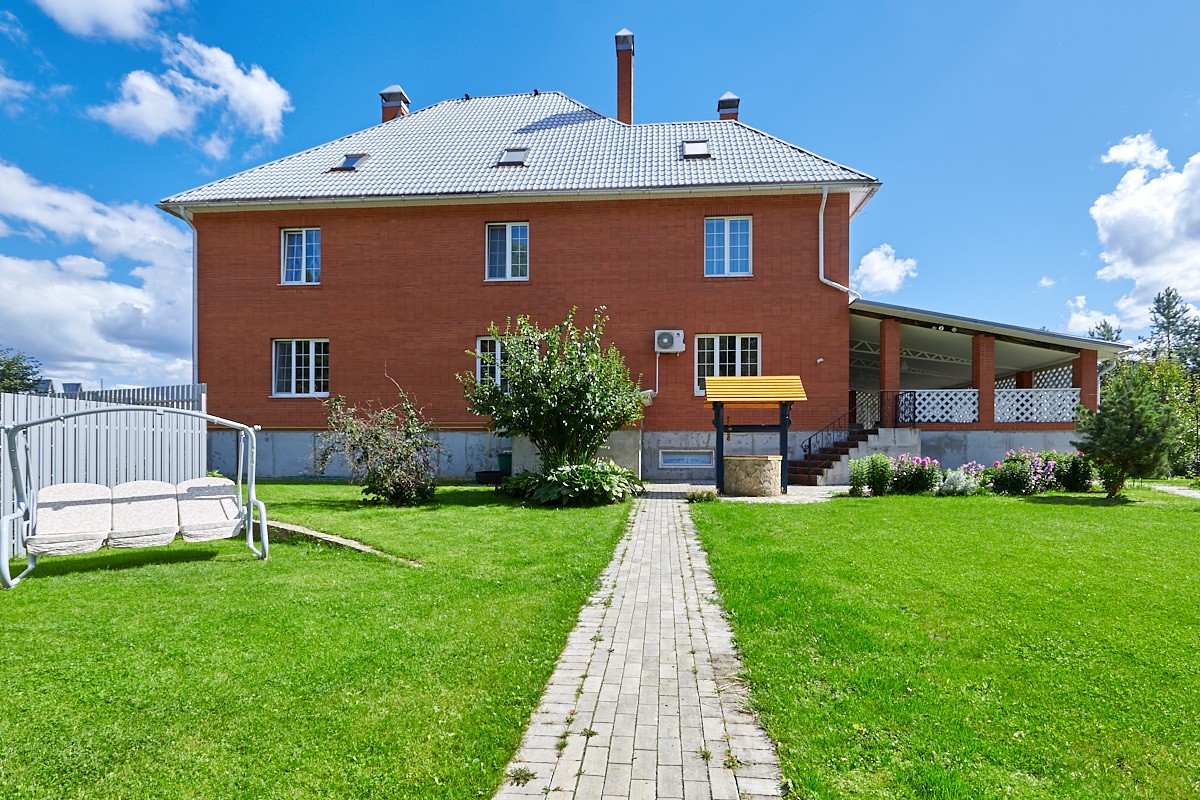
x: 850, y: 293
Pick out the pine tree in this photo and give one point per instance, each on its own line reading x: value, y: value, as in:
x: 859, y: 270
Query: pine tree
x: 1132, y: 433
x: 1105, y: 332
x: 1174, y: 332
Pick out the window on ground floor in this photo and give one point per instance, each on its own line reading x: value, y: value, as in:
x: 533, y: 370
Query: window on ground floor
x: 727, y: 354
x: 489, y: 365
x: 301, y: 367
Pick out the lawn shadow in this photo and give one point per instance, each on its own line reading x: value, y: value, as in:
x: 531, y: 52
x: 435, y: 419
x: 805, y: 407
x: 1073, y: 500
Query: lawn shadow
x: 109, y: 559
x: 467, y: 497
x: 1079, y: 500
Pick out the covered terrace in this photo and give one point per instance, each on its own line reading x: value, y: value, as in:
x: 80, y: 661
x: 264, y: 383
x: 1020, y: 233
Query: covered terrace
x: 934, y: 371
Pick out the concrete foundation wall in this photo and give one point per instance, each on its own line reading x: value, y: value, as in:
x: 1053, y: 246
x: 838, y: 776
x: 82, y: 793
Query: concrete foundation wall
x: 740, y: 444
x: 955, y: 448
x: 623, y: 447
x: 292, y: 454
x: 891, y: 442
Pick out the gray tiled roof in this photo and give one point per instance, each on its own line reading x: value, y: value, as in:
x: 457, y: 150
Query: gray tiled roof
x: 451, y: 148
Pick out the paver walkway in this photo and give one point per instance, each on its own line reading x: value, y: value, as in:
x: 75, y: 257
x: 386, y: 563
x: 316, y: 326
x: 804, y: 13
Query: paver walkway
x: 645, y: 702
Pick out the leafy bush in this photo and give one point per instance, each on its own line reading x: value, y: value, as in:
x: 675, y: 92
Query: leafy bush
x: 873, y: 472
x: 914, y: 475
x: 958, y: 483
x: 702, y: 496
x: 1072, y: 472
x: 595, y: 483
x: 389, y: 450
x: 1012, y: 476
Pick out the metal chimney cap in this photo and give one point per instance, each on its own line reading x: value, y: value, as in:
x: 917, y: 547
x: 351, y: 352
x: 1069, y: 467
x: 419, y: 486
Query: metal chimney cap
x: 625, y: 39
x: 394, y: 94
x: 728, y: 102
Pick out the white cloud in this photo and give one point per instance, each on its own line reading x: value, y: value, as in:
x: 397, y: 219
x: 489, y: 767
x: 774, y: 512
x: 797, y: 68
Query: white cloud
x: 13, y: 90
x: 1083, y: 319
x: 10, y: 26
x: 69, y: 313
x: 880, y: 272
x: 116, y: 19
x: 199, y: 79
x: 1149, y: 226
x: 1137, y: 151
x: 255, y: 99
x: 148, y: 109
x: 1046, y: 282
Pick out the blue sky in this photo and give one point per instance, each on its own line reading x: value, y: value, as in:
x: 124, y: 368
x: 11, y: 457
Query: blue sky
x: 1034, y: 156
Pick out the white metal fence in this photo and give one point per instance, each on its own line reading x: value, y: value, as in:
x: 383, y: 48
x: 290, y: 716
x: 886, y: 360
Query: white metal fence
x: 107, y: 448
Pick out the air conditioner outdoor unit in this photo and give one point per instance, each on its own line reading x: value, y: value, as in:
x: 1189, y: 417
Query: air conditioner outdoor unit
x: 668, y: 342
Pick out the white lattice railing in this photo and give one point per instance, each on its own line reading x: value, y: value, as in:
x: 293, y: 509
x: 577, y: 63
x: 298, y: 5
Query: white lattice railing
x: 1036, y: 405
x: 943, y: 405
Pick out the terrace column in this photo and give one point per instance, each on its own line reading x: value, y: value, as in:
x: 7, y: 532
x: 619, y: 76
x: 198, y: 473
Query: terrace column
x: 1083, y: 378
x: 889, y: 371
x: 1025, y: 379
x: 983, y: 376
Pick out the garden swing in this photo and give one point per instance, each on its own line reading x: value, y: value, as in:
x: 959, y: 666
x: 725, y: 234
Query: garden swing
x: 69, y: 518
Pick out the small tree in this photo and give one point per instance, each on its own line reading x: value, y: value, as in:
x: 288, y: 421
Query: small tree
x: 18, y: 372
x: 388, y: 449
x: 1131, y: 435
x: 1105, y: 332
x: 560, y: 387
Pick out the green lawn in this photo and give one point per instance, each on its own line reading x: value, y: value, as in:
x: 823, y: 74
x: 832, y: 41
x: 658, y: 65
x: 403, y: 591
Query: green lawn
x: 916, y: 647
x: 196, y: 671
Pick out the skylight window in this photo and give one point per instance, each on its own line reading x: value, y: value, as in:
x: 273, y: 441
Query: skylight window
x: 349, y: 162
x: 696, y: 148
x: 513, y: 157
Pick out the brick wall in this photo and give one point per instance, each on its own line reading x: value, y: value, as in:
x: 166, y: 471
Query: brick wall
x: 402, y: 291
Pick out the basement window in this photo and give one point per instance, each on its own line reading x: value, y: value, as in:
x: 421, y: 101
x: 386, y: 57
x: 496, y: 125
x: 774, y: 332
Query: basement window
x: 696, y: 148
x: 513, y: 157
x: 349, y: 162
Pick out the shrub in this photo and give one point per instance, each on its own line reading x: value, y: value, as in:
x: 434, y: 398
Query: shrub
x: 873, y: 472
x: 958, y: 483
x: 1012, y: 476
x: 388, y: 450
x: 702, y: 496
x: 914, y: 475
x: 1073, y: 472
x: 595, y: 483
x: 973, y: 468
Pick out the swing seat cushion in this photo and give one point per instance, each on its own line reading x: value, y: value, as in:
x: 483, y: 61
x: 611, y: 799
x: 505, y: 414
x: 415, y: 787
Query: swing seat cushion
x: 144, y: 514
x: 71, y: 518
x: 208, y: 509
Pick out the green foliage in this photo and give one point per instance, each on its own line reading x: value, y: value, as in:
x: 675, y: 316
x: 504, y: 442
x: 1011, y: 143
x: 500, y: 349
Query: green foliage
x: 597, y: 483
x: 560, y: 388
x: 18, y: 372
x: 957, y: 483
x: 1073, y: 472
x: 1174, y: 332
x: 1131, y: 435
x: 914, y: 474
x: 389, y: 450
x: 1105, y: 332
x: 1180, y: 390
x: 702, y: 496
x: 872, y: 473
x: 1013, y: 476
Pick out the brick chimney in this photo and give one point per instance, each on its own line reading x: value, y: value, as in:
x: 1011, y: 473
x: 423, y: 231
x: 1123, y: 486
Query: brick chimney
x: 727, y: 105
x: 395, y: 102
x: 625, y: 76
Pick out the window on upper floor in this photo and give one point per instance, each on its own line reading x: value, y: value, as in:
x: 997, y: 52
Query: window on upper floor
x: 489, y: 367
x: 301, y: 367
x: 508, y: 251
x: 727, y: 246
x: 301, y: 256
x: 727, y: 354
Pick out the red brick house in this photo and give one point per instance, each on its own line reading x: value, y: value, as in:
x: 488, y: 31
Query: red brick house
x: 388, y: 253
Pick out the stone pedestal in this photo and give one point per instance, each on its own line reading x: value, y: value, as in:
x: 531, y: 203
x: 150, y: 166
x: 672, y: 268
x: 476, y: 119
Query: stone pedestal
x: 753, y: 476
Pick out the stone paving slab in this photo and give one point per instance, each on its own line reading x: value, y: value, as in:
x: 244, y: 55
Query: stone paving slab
x: 646, y: 701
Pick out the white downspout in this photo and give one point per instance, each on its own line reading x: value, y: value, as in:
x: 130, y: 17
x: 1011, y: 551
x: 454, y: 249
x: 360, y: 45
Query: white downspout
x: 853, y: 295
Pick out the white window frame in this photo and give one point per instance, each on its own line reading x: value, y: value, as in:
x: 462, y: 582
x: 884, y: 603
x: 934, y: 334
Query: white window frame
x: 716, y: 355
x: 725, y: 273
x: 664, y: 461
x: 312, y: 368
x: 304, y: 281
x: 492, y: 372
x: 508, y: 251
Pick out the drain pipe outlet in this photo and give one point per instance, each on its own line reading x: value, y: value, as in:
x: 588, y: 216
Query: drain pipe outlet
x: 850, y: 293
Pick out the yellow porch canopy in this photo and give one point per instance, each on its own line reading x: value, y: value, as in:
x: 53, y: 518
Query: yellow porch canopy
x: 766, y: 391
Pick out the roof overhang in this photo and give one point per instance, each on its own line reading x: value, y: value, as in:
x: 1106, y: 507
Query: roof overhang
x: 860, y: 192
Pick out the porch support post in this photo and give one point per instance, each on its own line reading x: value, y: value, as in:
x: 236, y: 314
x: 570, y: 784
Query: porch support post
x: 785, y: 422
x: 983, y: 376
x: 1083, y: 378
x: 1025, y: 379
x: 889, y: 371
